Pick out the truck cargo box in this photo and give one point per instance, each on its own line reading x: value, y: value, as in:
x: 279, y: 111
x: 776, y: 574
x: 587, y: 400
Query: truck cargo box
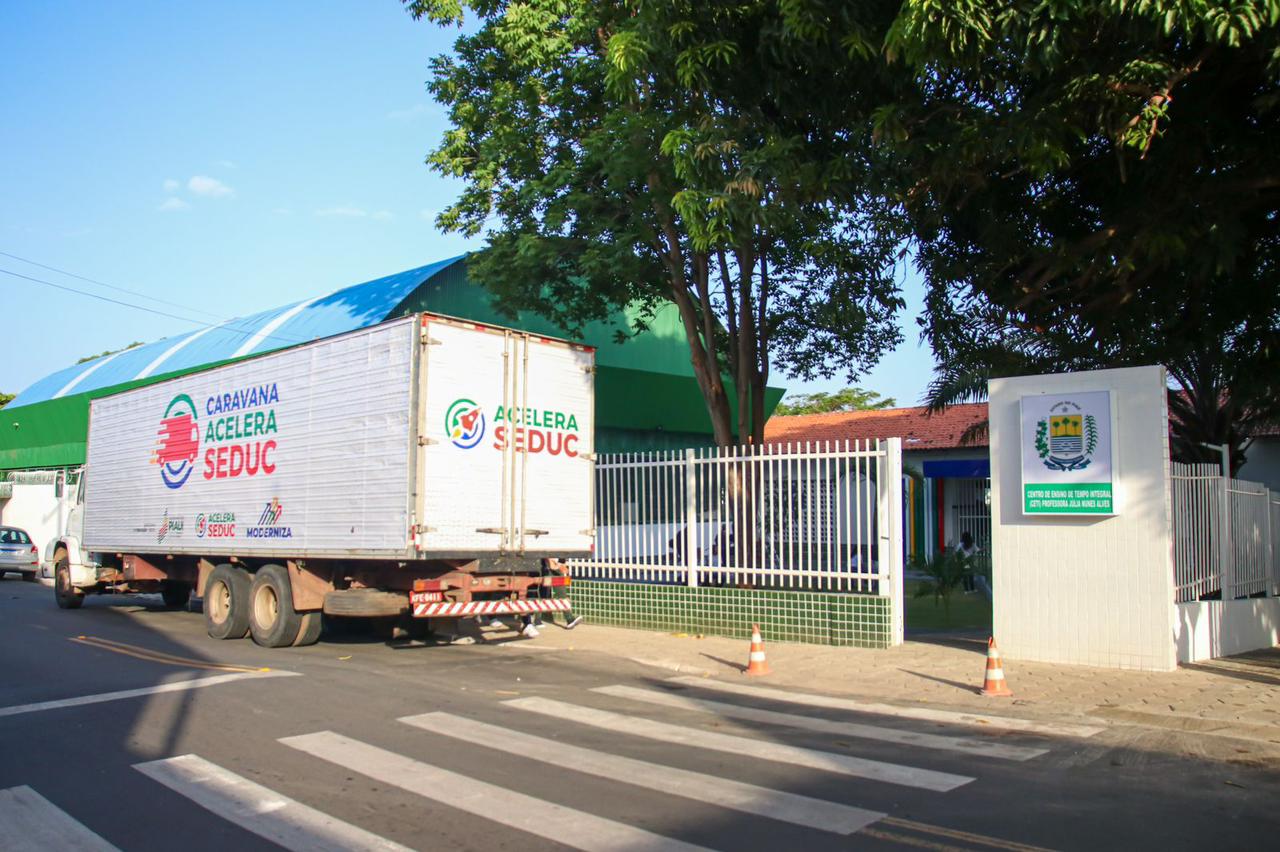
x: 420, y: 438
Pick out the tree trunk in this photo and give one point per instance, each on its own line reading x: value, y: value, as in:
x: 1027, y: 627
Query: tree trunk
x: 698, y: 321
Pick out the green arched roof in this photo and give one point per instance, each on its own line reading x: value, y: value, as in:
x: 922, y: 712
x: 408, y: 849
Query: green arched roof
x: 646, y: 396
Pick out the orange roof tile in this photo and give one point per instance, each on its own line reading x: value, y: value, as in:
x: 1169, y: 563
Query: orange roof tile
x: 918, y: 429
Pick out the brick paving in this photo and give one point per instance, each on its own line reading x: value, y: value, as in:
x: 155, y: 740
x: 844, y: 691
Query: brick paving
x: 1236, y: 697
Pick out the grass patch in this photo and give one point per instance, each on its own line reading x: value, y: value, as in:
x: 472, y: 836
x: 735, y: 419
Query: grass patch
x: 968, y: 612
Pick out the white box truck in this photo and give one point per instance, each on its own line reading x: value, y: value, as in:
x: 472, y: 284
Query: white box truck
x: 425, y: 466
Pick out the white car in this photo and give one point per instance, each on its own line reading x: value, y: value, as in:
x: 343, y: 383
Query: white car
x: 17, y: 553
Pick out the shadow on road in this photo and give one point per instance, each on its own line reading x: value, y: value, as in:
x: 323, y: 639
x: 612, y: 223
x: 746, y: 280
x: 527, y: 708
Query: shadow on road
x: 740, y: 667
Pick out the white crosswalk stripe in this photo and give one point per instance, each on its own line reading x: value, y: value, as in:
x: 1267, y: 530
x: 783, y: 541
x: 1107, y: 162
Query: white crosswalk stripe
x: 709, y: 789
x: 978, y: 747
x: 31, y: 823
x: 859, y: 767
x: 549, y: 820
x: 950, y: 717
x: 258, y: 809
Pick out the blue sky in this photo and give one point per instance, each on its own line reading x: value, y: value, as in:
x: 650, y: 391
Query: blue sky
x: 225, y: 157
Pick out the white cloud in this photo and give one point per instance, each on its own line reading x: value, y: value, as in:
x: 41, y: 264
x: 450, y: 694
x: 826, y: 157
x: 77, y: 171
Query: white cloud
x: 407, y: 114
x: 211, y: 187
x: 172, y: 204
x: 225, y: 164
x: 171, y: 185
x: 349, y: 212
x: 384, y: 215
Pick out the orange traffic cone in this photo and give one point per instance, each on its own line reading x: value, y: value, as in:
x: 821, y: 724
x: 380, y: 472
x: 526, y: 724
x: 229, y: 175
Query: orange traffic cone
x: 995, y: 684
x: 756, y: 664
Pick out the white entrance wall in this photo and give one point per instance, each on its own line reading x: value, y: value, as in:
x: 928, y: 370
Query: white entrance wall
x: 1092, y: 590
x: 1208, y: 629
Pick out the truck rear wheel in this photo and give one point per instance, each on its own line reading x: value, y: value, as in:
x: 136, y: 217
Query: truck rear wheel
x: 63, y: 591
x: 175, y: 593
x: 309, y: 633
x: 226, y: 602
x: 273, y: 621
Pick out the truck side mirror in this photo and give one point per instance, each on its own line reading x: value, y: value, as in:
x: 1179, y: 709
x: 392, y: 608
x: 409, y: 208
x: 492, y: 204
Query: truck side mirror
x: 58, y: 482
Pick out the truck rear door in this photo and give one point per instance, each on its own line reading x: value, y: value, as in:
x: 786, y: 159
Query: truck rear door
x: 508, y: 432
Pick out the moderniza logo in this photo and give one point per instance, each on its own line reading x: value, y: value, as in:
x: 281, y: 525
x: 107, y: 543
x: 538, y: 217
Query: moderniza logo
x: 1067, y: 438
x: 464, y: 423
x: 269, y: 523
x: 177, y: 442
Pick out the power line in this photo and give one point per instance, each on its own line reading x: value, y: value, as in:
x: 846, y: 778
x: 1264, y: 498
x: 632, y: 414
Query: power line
x: 143, y: 307
x: 112, y: 286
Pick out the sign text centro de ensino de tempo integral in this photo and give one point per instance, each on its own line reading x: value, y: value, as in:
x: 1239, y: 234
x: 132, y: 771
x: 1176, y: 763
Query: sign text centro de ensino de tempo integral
x: 1067, y: 454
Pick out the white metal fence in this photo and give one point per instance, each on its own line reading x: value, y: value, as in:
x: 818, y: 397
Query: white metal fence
x: 812, y: 516
x: 1224, y: 533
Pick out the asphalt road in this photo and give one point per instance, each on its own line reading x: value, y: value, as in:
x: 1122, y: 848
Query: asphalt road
x: 122, y: 725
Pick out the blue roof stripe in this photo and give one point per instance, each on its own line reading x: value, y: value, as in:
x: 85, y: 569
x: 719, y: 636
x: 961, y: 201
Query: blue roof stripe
x: 347, y: 309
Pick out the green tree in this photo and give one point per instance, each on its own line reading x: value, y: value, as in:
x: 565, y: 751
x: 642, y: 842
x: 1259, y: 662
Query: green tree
x: 1093, y: 184
x: 6, y: 398
x: 628, y: 153
x: 944, y: 574
x: 848, y: 399
x: 132, y: 345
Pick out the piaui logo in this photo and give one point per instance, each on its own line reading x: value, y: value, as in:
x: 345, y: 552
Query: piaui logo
x: 177, y: 442
x: 1067, y: 438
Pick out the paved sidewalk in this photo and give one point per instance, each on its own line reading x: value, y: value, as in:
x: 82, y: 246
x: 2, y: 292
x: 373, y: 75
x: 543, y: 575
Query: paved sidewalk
x: 1219, y: 703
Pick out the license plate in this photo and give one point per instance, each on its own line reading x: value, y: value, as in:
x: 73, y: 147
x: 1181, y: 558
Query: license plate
x: 425, y: 597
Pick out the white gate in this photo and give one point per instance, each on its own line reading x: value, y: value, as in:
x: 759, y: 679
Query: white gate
x: 1223, y: 535
x: 805, y: 517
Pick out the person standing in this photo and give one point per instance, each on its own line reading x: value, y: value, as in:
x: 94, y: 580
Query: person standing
x: 551, y: 568
x: 966, y: 549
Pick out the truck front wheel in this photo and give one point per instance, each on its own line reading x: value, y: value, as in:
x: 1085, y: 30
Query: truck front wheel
x: 273, y: 621
x: 66, y: 594
x: 226, y: 602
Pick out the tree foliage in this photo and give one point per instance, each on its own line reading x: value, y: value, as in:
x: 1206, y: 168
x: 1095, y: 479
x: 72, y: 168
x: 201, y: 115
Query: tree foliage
x: 846, y: 399
x: 132, y: 345
x: 6, y: 398
x: 944, y: 574
x: 628, y: 153
x: 1093, y: 184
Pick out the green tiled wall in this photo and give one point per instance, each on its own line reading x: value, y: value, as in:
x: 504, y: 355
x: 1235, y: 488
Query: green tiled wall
x: 813, y: 617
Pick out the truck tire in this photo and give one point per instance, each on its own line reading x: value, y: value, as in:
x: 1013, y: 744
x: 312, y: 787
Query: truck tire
x: 63, y: 591
x: 309, y: 633
x: 273, y: 621
x: 175, y: 593
x: 226, y: 602
x: 366, y: 603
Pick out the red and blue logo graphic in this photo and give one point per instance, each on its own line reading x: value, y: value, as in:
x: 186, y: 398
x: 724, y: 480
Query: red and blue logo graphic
x: 464, y: 423
x: 271, y: 514
x: 177, y: 442
x: 269, y: 523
